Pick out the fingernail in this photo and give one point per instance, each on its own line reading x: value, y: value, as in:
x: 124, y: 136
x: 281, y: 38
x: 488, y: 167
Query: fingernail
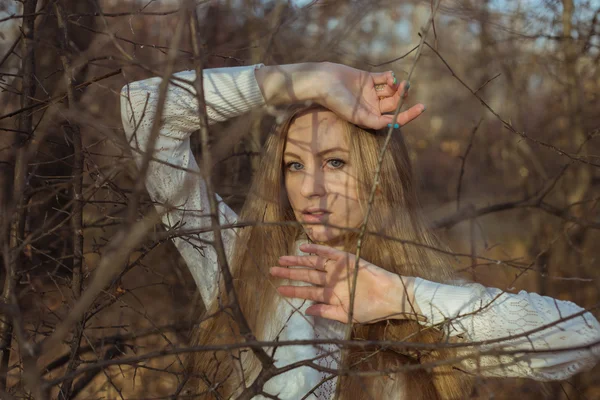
x: 424, y: 107
x: 396, y: 126
x: 407, y: 86
x: 395, y: 80
x: 389, y: 125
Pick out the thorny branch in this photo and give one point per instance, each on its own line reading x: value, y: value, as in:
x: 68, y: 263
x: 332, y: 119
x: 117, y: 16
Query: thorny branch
x: 73, y: 131
x: 12, y: 255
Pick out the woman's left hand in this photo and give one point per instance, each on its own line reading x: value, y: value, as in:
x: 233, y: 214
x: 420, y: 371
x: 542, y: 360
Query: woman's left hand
x: 352, y: 94
x: 379, y: 294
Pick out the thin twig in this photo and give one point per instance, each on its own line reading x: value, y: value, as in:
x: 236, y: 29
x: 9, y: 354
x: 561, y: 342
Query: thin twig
x: 488, y: 81
x: 12, y: 253
x: 245, y: 330
x: 505, y: 123
x: 363, y: 226
x: 476, y: 353
x: 463, y: 162
x: 74, y: 133
x: 10, y: 50
x: 59, y: 97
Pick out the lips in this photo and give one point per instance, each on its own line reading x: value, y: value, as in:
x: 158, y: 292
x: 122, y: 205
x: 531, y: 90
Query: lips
x: 314, y: 215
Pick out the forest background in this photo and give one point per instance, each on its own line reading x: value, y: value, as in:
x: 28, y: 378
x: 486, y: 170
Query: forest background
x: 506, y: 157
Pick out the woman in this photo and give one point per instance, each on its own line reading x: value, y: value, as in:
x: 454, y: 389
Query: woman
x: 312, y: 189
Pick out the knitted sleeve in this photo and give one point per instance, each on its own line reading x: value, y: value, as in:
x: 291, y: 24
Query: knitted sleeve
x: 173, y: 179
x: 513, y: 335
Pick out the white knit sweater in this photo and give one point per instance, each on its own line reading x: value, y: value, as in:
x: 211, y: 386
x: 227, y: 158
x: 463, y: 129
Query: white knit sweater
x: 173, y: 180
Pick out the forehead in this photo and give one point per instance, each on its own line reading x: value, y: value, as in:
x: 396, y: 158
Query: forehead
x: 316, y: 131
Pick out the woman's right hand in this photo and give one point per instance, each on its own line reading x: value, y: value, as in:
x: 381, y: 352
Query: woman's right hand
x: 347, y: 91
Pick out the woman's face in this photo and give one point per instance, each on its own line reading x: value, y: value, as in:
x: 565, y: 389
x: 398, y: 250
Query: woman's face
x: 320, y: 180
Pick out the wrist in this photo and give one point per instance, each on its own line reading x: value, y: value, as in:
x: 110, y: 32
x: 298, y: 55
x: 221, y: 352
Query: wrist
x: 291, y: 83
x: 401, y: 298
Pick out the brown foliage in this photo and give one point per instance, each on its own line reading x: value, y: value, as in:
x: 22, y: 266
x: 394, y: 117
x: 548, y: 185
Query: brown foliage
x: 505, y: 154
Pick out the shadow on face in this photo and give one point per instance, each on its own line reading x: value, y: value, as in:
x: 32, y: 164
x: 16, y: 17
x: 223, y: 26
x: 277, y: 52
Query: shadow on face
x: 320, y: 177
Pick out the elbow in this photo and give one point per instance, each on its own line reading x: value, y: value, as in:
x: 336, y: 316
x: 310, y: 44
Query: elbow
x: 135, y: 99
x: 130, y: 107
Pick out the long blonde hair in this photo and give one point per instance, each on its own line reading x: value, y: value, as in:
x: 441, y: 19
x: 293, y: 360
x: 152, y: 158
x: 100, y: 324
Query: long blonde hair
x: 395, y: 214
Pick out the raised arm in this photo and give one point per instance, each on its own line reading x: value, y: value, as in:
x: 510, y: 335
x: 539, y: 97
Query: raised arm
x: 481, y: 314
x: 173, y: 179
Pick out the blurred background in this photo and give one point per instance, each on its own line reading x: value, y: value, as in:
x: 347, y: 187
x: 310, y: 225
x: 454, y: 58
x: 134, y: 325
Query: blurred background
x: 506, y: 155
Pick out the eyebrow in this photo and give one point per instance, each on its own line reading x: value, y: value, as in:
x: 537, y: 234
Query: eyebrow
x: 322, y: 152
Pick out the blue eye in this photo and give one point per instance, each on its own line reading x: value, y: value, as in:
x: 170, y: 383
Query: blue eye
x: 336, y: 163
x: 294, y: 166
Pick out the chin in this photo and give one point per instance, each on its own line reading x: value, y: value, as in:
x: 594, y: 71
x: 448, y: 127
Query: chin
x: 322, y: 234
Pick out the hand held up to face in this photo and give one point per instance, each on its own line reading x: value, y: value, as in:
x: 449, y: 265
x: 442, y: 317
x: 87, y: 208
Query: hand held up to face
x: 379, y: 294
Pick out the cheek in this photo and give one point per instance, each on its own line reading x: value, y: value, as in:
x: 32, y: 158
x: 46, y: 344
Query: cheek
x: 291, y: 189
x: 345, y: 185
x: 345, y: 188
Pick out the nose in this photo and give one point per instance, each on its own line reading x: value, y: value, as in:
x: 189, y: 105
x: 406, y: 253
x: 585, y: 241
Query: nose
x: 313, y: 184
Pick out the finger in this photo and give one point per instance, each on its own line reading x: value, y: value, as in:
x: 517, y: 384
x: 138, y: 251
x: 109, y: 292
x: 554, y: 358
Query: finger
x: 389, y: 104
x: 406, y: 116
x: 335, y: 313
x: 385, y: 77
x: 384, y: 90
x: 404, y: 88
x: 323, y: 251
x: 305, y: 292
x: 303, y: 261
x: 300, y: 274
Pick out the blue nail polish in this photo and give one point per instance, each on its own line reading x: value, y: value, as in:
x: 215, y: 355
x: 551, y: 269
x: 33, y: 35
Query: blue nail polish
x: 389, y: 125
x: 395, y: 80
x: 396, y: 126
